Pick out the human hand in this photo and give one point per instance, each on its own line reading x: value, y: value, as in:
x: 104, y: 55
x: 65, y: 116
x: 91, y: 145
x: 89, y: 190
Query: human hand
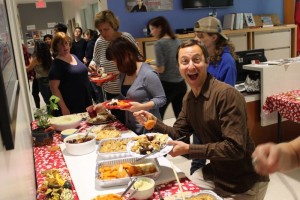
x: 179, y: 148
x: 143, y: 116
x: 267, y: 158
x: 92, y: 67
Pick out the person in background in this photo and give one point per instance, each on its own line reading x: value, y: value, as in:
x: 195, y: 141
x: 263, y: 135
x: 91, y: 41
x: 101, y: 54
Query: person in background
x: 91, y: 36
x: 48, y: 39
x: 78, y: 44
x: 31, y: 77
x: 216, y: 113
x: 139, y: 7
x: 107, y: 24
x: 139, y: 82
x: 60, y: 27
x: 269, y: 158
x: 41, y: 62
x: 68, y: 78
x: 222, y: 63
x: 166, y: 65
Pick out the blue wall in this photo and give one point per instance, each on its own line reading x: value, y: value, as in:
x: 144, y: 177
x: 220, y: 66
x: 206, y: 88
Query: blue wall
x: 179, y: 18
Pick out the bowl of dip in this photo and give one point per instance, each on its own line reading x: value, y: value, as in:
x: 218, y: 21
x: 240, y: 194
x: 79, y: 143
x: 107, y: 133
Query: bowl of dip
x: 144, y: 187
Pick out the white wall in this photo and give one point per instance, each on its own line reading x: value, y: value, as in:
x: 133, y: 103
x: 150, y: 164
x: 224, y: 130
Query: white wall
x: 16, y: 166
x: 73, y: 9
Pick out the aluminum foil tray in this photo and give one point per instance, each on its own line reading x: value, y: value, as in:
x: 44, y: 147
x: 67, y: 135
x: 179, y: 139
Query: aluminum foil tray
x: 112, y: 155
x: 124, y: 181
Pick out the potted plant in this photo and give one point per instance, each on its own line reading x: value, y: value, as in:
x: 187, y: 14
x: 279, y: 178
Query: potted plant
x: 43, y: 134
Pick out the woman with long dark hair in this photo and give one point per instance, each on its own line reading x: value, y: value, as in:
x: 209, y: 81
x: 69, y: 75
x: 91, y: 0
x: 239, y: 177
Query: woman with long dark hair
x: 166, y: 64
x: 41, y: 62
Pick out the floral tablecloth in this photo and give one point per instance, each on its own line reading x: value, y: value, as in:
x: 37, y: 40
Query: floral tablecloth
x: 287, y: 104
x: 45, y: 159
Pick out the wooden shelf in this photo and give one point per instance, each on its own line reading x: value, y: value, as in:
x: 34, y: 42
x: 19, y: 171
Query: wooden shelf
x: 250, y: 36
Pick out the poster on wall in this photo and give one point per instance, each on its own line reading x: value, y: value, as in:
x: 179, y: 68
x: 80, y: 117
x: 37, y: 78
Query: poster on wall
x: 148, y: 5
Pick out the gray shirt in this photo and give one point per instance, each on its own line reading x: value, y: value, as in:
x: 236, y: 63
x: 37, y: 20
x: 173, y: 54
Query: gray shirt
x: 165, y: 53
x: 146, y: 87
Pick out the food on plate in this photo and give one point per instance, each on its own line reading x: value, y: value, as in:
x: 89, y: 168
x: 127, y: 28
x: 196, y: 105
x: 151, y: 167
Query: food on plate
x: 108, y: 197
x: 108, y: 172
x: 117, y: 103
x: 105, y: 134
x: 101, y: 72
x: 55, y: 186
x: 146, y: 144
x: 114, y: 145
x: 101, y: 118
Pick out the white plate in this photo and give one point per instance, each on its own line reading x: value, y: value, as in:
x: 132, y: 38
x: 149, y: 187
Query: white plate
x: 162, y: 152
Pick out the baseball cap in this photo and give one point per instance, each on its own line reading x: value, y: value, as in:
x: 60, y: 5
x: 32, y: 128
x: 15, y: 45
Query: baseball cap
x: 209, y: 25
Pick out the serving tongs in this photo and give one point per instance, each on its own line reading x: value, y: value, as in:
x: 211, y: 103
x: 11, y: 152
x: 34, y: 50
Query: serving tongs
x: 156, y: 151
x: 128, y: 188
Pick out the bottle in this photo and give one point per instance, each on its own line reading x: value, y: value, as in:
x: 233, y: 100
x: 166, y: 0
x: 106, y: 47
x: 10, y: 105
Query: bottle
x: 145, y: 31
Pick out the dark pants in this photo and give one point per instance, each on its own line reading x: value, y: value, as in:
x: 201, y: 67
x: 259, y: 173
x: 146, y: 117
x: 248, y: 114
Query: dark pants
x: 196, y: 163
x: 120, y: 114
x: 96, y: 92
x: 44, y: 88
x: 35, y: 93
x: 174, y: 93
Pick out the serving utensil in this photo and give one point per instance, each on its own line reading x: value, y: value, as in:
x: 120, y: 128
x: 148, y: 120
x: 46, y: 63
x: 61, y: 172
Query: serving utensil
x: 177, y: 179
x: 88, y: 132
x: 129, y: 186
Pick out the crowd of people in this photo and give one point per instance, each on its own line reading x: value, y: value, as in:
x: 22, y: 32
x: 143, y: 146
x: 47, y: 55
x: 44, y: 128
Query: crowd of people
x: 213, y: 112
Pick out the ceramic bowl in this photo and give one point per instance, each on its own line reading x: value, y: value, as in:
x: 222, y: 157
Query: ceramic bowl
x: 67, y: 132
x: 80, y: 148
x: 144, y: 187
x: 65, y: 122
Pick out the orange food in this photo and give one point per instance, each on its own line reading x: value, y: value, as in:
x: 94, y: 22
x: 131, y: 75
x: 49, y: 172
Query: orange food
x: 119, y: 170
x: 108, y: 197
x: 149, y: 124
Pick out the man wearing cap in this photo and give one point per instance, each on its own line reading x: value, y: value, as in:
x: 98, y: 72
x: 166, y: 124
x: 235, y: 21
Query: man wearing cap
x: 222, y: 65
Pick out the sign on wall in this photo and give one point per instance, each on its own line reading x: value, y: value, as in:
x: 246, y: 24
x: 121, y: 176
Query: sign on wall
x: 148, y: 5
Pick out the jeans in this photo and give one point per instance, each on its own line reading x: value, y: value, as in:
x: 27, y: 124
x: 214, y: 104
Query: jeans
x: 43, y: 84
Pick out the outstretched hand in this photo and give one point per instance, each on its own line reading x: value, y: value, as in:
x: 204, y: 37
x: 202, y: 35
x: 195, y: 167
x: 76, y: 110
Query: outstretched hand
x: 179, y: 148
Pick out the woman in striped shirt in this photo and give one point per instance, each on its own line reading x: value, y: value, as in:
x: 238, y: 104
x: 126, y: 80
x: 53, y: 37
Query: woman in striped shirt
x: 107, y: 24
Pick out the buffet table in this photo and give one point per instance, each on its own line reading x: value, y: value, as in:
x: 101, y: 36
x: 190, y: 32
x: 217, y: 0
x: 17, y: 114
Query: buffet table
x: 81, y: 170
x: 288, y: 106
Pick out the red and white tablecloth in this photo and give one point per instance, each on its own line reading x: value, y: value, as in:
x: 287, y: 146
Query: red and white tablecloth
x: 46, y: 159
x: 287, y: 104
